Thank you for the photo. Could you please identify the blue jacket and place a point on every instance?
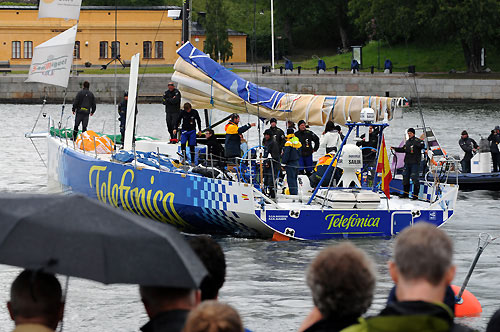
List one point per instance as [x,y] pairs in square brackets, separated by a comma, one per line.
[233,141]
[291,151]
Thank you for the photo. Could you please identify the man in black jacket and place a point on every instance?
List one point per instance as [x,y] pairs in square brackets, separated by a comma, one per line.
[172,101]
[271,166]
[83,106]
[494,139]
[310,144]
[215,150]
[469,146]
[189,118]
[413,153]
[277,133]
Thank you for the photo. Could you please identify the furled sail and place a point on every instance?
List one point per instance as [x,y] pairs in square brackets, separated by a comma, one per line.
[52,60]
[207,84]
[67,9]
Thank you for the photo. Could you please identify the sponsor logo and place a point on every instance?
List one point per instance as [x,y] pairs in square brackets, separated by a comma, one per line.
[245,197]
[340,221]
[432,215]
[49,67]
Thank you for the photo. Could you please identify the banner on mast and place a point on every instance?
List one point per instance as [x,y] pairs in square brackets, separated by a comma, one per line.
[68,9]
[52,60]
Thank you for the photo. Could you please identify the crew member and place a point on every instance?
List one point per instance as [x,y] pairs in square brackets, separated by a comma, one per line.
[172,101]
[122,112]
[271,167]
[291,156]
[413,152]
[215,150]
[83,106]
[320,169]
[469,146]
[310,144]
[494,139]
[277,133]
[233,140]
[189,118]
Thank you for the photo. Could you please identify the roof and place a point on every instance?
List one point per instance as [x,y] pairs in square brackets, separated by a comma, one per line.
[97,7]
[198,30]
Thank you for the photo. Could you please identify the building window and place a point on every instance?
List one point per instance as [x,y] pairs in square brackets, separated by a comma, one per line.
[76,52]
[28,49]
[103,50]
[146,49]
[16,49]
[159,49]
[115,49]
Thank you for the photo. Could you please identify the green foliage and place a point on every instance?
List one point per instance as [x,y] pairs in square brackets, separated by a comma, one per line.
[217,43]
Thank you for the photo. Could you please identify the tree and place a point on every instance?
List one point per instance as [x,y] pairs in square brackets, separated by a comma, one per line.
[217,43]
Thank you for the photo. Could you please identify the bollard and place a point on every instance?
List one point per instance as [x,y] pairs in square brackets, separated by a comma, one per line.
[281,70]
[317,69]
[336,68]
[390,70]
[372,68]
[387,93]
[299,68]
[263,69]
[411,69]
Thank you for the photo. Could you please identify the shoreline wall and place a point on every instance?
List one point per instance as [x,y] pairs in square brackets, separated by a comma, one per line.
[151,87]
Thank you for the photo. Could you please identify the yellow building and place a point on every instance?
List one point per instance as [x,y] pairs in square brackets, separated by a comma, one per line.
[145,30]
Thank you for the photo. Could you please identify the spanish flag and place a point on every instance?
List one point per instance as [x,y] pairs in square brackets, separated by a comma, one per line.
[384,168]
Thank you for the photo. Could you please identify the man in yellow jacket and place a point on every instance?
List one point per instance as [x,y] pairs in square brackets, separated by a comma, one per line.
[233,140]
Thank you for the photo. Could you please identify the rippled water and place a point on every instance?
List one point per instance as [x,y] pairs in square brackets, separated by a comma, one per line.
[265,280]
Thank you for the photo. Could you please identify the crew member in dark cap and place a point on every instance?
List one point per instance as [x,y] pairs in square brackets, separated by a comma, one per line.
[271,166]
[413,153]
[122,112]
[494,139]
[469,146]
[310,144]
[172,101]
[277,133]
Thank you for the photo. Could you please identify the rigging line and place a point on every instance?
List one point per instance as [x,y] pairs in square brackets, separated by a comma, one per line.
[44,164]
[115,75]
[39,113]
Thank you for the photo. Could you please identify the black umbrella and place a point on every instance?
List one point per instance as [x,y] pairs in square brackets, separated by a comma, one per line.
[80,237]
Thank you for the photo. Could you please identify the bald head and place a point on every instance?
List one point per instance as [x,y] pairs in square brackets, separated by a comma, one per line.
[36,297]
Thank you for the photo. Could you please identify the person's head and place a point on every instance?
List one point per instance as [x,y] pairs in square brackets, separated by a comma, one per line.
[209,133]
[342,281]
[36,297]
[211,255]
[423,254]
[411,132]
[267,134]
[187,107]
[290,124]
[497,129]
[125,95]
[235,118]
[338,128]
[160,299]
[302,125]
[171,86]
[370,129]
[465,134]
[86,85]
[273,122]
[289,132]
[213,316]
[330,126]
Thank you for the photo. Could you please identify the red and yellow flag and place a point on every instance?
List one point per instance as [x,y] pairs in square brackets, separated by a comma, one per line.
[384,168]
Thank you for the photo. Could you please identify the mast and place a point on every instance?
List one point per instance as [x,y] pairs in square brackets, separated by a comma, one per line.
[186,21]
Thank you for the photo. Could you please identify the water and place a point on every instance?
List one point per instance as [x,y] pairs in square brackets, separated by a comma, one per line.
[265,280]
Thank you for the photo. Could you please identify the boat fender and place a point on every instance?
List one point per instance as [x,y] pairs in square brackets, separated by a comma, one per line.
[415,213]
[294,214]
[468,305]
[289,232]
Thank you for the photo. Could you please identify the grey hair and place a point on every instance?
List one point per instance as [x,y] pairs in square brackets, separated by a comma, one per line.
[423,252]
[342,281]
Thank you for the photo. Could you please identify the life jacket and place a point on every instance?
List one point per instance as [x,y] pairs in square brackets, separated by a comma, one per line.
[293,141]
[325,161]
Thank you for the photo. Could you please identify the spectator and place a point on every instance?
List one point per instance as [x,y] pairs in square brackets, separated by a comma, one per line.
[172,101]
[342,282]
[388,66]
[36,302]
[310,144]
[213,316]
[167,308]
[354,66]
[211,255]
[290,158]
[330,139]
[494,139]
[469,146]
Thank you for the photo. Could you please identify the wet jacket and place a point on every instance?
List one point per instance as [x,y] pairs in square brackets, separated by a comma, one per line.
[233,141]
[309,141]
[171,321]
[412,150]
[494,139]
[410,316]
[291,151]
[279,136]
[172,101]
[467,145]
[84,102]
[189,120]
[272,148]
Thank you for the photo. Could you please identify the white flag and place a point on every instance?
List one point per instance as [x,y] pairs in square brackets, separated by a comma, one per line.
[52,60]
[68,9]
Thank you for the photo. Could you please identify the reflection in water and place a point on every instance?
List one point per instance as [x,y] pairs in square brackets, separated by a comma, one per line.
[266,280]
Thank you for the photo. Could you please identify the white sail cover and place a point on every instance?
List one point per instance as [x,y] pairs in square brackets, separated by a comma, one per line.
[132,100]
[206,84]
[52,59]
[68,9]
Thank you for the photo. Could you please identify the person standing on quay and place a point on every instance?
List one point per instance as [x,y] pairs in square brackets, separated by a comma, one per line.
[83,106]
[172,101]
